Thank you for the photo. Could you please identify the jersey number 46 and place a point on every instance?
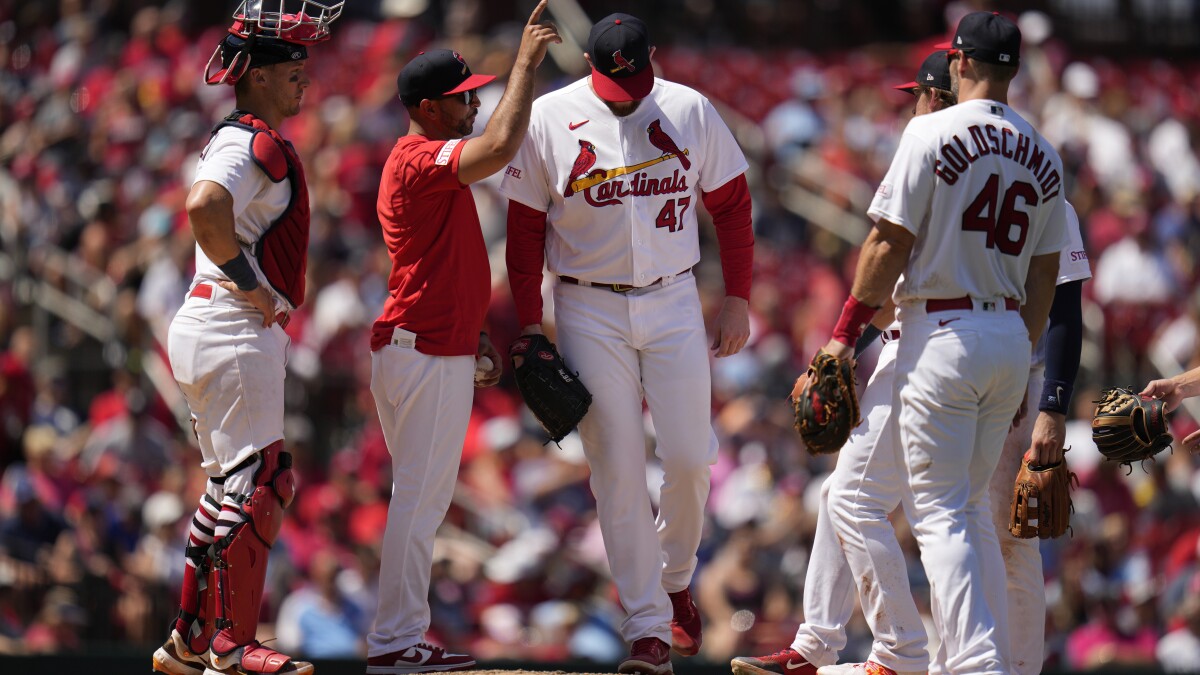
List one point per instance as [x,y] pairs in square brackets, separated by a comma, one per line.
[1006,227]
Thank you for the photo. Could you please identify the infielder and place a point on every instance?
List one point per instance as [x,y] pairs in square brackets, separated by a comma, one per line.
[866,486]
[227,346]
[972,214]
[604,191]
[425,344]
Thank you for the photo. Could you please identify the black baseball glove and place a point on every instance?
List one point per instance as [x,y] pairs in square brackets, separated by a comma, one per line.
[554,394]
[1128,427]
[827,408]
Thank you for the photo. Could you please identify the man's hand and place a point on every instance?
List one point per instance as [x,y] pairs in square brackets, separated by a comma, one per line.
[531,329]
[839,350]
[260,297]
[1049,435]
[486,348]
[1168,390]
[733,327]
[536,39]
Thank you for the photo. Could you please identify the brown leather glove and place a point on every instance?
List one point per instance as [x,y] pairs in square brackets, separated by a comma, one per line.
[1041,504]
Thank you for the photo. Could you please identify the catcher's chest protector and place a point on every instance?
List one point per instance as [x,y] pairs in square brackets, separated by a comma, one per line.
[282,250]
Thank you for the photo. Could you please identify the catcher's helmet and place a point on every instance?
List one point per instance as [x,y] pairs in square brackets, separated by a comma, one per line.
[261,38]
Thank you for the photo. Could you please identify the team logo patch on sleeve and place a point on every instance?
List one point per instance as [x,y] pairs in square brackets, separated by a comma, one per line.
[443,156]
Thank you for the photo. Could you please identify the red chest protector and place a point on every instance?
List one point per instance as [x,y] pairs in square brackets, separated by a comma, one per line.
[282,250]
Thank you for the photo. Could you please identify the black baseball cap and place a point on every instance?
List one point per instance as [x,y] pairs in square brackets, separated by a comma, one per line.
[620,49]
[436,73]
[261,50]
[989,37]
[934,72]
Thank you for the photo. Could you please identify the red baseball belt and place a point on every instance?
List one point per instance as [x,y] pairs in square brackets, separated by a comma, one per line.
[205,290]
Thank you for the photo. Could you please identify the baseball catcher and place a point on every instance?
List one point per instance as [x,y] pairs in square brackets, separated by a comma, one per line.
[556,396]
[1129,427]
[827,405]
[1041,503]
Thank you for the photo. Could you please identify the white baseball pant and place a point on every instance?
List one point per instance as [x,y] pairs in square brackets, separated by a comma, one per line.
[424,404]
[865,488]
[960,377]
[626,347]
[231,371]
[1022,557]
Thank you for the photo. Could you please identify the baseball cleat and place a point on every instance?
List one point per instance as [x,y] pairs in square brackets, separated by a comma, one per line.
[419,658]
[784,662]
[686,632]
[175,658]
[868,668]
[648,656]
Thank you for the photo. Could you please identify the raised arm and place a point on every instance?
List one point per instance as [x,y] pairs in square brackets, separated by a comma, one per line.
[484,156]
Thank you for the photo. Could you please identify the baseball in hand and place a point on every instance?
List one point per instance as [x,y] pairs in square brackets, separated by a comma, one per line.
[483,365]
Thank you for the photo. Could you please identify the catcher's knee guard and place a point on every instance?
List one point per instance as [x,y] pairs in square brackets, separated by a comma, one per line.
[240,563]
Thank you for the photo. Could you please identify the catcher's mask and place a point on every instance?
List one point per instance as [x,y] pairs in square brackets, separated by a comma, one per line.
[261,38]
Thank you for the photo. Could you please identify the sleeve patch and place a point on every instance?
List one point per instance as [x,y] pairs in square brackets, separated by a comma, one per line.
[443,156]
[884,190]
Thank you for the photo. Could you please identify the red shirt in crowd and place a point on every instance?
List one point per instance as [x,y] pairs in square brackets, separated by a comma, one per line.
[441,278]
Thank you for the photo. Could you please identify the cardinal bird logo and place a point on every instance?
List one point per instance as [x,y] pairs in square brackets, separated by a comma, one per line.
[660,140]
[585,160]
[621,62]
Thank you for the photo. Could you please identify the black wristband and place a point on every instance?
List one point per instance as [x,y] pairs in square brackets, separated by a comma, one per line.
[240,272]
[865,340]
[1056,396]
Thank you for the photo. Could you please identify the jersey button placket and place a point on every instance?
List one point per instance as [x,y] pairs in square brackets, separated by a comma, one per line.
[633,208]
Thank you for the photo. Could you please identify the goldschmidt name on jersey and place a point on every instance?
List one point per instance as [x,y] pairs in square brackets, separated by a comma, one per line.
[957,155]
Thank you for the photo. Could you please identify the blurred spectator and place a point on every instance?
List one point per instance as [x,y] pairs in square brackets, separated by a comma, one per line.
[318,619]
[101,119]
[1110,638]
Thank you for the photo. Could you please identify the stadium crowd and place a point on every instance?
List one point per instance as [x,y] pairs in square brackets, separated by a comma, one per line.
[101,119]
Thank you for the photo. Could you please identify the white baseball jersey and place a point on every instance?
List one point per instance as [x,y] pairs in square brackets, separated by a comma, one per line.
[257,201]
[975,230]
[621,192]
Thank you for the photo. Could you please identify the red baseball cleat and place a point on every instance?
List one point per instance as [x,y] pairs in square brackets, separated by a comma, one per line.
[649,656]
[686,632]
[419,658]
[784,662]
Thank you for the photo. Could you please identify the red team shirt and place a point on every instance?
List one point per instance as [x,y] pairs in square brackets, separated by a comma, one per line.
[441,279]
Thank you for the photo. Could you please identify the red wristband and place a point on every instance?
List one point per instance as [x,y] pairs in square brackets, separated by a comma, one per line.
[854,319]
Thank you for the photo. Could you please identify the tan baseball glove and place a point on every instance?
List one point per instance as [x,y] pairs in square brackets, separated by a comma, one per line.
[1041,503]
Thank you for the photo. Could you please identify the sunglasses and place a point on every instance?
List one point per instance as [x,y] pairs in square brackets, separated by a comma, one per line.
[464,96]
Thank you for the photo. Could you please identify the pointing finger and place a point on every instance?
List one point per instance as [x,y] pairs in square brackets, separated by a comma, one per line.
[537,13]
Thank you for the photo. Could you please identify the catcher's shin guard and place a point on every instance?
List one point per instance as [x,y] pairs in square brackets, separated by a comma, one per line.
[240,568]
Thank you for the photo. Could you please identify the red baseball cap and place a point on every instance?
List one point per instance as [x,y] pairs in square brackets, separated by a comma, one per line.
[620,49]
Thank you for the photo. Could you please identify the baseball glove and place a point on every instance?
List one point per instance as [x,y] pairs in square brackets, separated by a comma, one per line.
[1041,503]
[1128,427]
[827,408]
[554,394]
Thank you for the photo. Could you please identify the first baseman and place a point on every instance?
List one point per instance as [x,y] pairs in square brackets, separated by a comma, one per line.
[970,222]
[604,191]
[227,346]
